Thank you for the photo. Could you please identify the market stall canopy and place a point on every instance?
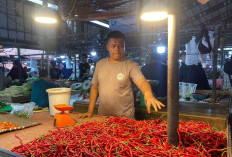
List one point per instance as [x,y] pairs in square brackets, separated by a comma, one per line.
[123,15]
[193,12]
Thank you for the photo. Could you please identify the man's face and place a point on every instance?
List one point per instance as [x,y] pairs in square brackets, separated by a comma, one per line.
[116,48]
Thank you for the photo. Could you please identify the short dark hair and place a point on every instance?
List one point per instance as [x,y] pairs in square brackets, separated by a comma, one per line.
[43,73]
[16,62]
[115,34]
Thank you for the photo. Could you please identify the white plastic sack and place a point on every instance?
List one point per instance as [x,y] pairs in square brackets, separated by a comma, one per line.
[192,52]
[23,110]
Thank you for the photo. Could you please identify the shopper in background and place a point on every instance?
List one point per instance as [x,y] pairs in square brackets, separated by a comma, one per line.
[39,87]
[193,74]
[182,67]
[157,70]
[67,70]
[84,68]
[112,82]
[17,72]
[55,73]
[228,77]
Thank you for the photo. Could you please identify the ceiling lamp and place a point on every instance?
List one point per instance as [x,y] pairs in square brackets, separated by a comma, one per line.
[45,15]
[161,49]
[154,10]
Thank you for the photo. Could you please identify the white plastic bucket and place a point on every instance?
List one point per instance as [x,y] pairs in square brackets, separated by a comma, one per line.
[58,96]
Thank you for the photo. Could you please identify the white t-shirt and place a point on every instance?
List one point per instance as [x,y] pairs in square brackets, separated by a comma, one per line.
[114,81]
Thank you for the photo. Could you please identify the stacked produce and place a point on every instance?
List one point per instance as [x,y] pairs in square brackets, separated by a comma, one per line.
[126,137]
[15,91]
[4,107]
[7,126]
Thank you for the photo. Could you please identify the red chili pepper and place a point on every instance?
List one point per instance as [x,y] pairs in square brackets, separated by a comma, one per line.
[126,137]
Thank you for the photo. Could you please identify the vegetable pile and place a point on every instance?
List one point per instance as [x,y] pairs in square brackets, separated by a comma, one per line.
[126,137]
[7,125]
[4,107]
[15,91]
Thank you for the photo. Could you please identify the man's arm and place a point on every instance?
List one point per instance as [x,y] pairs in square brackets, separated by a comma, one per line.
[92,101]
[145,88]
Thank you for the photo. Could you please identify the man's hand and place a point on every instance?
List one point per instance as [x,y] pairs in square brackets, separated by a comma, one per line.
[151,100]
[145,88]
[85,115]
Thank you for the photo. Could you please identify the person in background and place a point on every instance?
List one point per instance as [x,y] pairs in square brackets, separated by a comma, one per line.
[182,66]
[39,95]
[67,70]
[227,68]
[27,71]
[112,82]
[16,70]
[156,70]
[55,73]
[193,74]
[66,73]
[3,79]
[84,67]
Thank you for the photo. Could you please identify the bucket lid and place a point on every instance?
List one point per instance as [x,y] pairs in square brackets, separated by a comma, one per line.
[58,90]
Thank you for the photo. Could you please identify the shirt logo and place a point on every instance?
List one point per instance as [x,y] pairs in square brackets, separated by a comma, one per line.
[120,76]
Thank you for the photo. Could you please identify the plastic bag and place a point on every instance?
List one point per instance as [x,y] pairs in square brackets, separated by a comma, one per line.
[23,110]
[191,52]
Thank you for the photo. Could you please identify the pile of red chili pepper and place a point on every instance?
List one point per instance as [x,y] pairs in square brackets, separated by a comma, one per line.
[126,137]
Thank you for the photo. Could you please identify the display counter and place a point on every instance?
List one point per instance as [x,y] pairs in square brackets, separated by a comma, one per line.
[215,114]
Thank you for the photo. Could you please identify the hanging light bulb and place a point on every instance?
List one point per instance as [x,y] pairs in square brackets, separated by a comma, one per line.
[154,10]
[45,15]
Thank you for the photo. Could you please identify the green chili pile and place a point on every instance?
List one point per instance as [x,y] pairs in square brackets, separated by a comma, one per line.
[127,137]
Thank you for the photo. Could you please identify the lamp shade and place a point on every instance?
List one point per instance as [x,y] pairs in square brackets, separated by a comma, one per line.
[45,15]
[154,10]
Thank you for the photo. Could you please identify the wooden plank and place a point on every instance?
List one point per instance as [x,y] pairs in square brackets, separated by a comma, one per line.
[221,92]
[94,118]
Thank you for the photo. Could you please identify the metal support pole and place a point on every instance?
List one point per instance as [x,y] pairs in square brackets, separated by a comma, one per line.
[173,81]
[215,54]
[75,63]
[42,61]
[19,69]
[48,65]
